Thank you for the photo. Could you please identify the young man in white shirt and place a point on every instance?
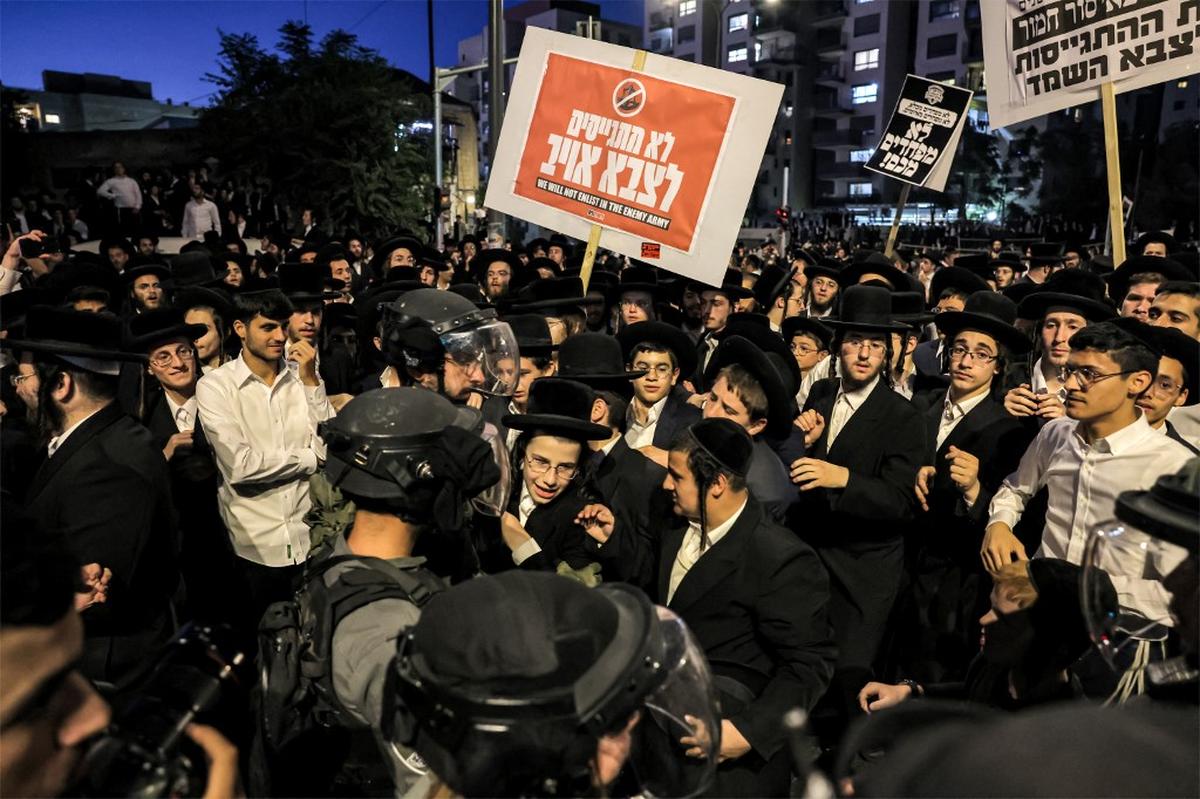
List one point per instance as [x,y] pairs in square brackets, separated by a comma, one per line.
[1103,446]
[261,418]
[200,215]
[125,195]
[658,410]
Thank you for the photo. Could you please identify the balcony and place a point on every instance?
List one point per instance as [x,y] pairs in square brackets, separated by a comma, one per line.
[830,42]
[840,169]
[828,12]
[830,73]
[660,20]
[827,104]
[777,51]
[832,139]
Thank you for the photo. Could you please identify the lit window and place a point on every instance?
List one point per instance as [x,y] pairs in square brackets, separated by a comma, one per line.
[866,59]
[739,22]
[51,119]
[758,56]
[1181,85]
[687,7]
[860,189]
[860,156]
[943,9]
[737,54]
[864,93]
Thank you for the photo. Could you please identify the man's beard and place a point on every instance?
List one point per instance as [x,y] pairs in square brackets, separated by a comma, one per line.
[821,307]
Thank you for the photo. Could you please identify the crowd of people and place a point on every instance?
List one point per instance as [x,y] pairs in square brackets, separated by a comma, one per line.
[855,478]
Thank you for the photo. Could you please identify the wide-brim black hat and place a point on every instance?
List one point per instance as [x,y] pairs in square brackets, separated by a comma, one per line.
[73,334]
[909,307]
[797,325]
[957,277]
[550,295]
[196,268]
[739,351]
[771,283]
[1012,260]
[157,326]
[866,308]
[307,282]
[532,333]
[1153,236]
[596,360]
[559,406]
[485,258]
[760,334]
[158,270]
[731,286]
[874,263]
[542,262]
[990,313]
[824,268]
[381,253]
[1118,279]
[635,278]
[663,335]
[197,296]
[1039,303]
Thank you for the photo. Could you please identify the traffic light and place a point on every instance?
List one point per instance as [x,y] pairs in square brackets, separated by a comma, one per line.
[441,199]
[783,215]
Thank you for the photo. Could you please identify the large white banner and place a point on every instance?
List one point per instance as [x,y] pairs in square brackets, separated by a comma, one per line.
[663,158]
[1045,55]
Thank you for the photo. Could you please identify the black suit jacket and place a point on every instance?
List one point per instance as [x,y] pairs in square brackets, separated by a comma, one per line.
[883,445]
[676,415]
[1176,435]
[628,483]
[757,603]
[925,358]
[107,491]
[999,440]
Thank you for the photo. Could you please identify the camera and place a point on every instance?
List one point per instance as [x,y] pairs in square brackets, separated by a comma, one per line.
[144,752]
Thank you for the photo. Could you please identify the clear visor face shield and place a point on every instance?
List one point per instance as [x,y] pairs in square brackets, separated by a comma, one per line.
[493,501]
[680,715]
[489,356]
[1137,564]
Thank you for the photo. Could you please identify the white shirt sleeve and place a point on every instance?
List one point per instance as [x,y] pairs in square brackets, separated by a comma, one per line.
[216,217]
[1019,487]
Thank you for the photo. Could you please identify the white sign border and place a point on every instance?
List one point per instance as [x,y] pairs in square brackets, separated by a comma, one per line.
[734,177]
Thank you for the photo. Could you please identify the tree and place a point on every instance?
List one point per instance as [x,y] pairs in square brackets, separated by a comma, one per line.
[975,177]
[331,127]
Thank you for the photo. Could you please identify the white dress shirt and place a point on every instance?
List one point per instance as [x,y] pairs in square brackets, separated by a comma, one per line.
[265,442]
[1083,482]
[123,191]
[844,406]
[184,415]
[510,437]
[199,218]
[690,552]
[641,434]
[525,507]
[710,346]
[820,371]
[953,413]
[1037,382]
[55,443]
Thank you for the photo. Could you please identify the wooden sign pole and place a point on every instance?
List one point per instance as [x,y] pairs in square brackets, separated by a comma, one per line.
[1112,158]
[891,239]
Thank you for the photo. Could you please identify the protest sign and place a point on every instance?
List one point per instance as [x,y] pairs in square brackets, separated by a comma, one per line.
[922,136]
[1045,55]
[648,154]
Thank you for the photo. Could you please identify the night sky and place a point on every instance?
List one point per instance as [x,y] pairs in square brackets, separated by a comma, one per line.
[173,43]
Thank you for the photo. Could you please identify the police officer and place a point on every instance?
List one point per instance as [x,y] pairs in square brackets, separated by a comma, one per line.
[530,684]
[411,462]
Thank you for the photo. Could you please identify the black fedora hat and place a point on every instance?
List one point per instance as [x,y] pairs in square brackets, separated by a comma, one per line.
[596,360]
[909,307]
[90,341]
[533,335]
[403,277]
[826,267]
[158,326]
[990,313]
[770,284]
[1155,237]
[1118,280]
[958,277]
[781,403]
[199,297]
[636,277]
[663,335]
[1012,260]
[559,407]
[549,295]
[762,336]
[1076,290]
[731,286]
[542,262]
[796,325]
[158,270]
[873,263]
[197,268]
[485,258]
[1045,253]
[866,308]
[340,314]
[978,264]
[380,255]
[306,282]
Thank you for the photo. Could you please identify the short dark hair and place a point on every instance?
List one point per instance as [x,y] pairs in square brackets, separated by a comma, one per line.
[271,304]
[703,466]
[87,294]
[617,406]
[747,388]
[540,362]
[1145,277]
[655,348]
[953,291]
[1186,287]
[1129,352]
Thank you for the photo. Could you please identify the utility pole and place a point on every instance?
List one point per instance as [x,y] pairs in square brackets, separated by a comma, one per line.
[437,129]
[496,70]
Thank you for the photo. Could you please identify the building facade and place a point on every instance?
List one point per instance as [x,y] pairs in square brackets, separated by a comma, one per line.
[71,102]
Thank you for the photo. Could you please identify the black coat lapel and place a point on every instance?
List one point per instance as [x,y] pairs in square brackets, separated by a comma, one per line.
[671,539]
[861,425]
[85,433]
[718,563]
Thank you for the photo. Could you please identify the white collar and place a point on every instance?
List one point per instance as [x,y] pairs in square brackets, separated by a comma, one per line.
[608,448]
[652,413]
[858,396]
[57,441]
[721,530]
[188,404]
[956,410]
[1117,442]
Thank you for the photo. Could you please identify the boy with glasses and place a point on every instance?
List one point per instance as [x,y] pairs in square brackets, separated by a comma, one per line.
[1103,446]
[658,410]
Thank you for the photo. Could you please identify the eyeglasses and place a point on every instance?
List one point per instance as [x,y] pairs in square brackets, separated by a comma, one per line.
[660,369]
[1086,376]
[803,349]
[957,353]
[1166,387]
[184,354]
[17,380]
[538,466]
[873,346]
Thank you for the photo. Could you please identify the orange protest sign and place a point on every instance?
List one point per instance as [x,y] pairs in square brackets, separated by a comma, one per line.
[623,149]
